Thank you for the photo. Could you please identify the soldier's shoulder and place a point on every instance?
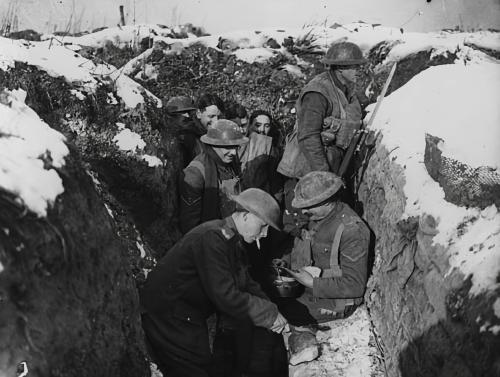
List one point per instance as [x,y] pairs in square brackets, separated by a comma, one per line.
[350,218]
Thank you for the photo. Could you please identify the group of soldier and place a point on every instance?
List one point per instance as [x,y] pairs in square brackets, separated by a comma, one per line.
[235,185]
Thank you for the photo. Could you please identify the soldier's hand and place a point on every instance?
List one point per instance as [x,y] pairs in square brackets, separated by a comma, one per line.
[302,276]
[280,323]
[279,263]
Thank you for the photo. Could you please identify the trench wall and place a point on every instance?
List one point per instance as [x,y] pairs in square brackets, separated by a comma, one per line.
[427,322]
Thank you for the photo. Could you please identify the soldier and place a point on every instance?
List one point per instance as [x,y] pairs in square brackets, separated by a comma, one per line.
[180,118]
[328,114]
[209,108]
[336,243]
[206,271]
[208,181]
[259,157]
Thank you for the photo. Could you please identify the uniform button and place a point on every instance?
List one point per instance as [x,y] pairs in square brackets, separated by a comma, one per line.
[189,318]
[325,251]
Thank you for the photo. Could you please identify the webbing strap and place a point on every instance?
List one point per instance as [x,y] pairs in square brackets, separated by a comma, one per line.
[335,270]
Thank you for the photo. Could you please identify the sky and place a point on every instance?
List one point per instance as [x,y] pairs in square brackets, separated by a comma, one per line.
[226,15]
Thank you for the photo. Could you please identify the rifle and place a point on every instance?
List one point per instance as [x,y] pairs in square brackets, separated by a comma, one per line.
[360,135]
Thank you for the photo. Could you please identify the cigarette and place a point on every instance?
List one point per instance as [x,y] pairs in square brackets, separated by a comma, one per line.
[258,243]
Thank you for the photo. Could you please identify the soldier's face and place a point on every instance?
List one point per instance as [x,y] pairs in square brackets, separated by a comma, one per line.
[253,228]
[208,116]
[349,73]
[226,154]
[319,212]
[262,124]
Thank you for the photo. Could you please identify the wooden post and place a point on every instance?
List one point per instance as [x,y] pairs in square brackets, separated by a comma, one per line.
[122,16]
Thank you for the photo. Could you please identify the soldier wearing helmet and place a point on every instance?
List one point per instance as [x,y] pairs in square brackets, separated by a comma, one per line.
[208,181]
[330,258]
[204,272]
[180,118]
[328,114]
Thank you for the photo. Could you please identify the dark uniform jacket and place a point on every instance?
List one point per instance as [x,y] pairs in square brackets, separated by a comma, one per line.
[330,295]
[205,271]
[205,188]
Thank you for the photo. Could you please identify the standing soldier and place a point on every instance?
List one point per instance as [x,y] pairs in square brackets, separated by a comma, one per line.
[328,114]
[336,245]
[207,183]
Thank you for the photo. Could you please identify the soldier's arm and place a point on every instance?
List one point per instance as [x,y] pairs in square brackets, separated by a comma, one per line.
[354,263]
[214,269]
[314,108]
[191,186]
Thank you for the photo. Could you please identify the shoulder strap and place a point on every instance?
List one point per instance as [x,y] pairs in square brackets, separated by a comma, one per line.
[334,251]
[343,114]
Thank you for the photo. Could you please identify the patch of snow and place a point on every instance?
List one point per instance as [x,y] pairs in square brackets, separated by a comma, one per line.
[253,55]
[155,372]
[78,94]
[1,267]
[120,125]
[148,72]
[111,100]
[110,212]
[496,307]
[24,142]
[141,249]
[57,59]
[152,161]
[294,70]
[120,36]
[494,329]
[128,140]
[345,349]
[444,101]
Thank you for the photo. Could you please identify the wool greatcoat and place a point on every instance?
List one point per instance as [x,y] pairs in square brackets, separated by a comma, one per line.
[205,271]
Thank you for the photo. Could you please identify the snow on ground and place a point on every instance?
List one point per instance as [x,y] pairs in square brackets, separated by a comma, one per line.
[121,36]
[25,142]
[345,349]
[58,59]
[458,103]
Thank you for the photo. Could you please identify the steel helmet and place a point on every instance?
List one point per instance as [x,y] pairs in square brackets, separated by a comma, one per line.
[224,133]
[343,53]
[316,187]
[179,104]
[261,204]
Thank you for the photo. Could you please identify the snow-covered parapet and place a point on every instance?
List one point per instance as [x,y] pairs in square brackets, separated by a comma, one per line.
[120,36]
[29,153]
[443,101]
[58,59]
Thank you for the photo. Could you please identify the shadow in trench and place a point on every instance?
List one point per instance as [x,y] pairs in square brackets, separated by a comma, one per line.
[462,345]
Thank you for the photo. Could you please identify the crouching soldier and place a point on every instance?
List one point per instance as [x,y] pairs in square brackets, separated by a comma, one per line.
[206,272]
[330,258]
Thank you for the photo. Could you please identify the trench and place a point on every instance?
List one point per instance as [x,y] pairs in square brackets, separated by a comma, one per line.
[417,320]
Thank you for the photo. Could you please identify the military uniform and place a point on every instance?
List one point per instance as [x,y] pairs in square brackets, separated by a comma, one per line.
[344,264]
[206,185]
[204,272]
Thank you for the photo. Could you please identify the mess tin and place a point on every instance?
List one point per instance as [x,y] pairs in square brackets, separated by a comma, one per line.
[286,286]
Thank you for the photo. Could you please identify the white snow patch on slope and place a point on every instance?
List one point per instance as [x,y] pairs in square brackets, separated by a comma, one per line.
[458,103]
[128,140]
[24,140]
[152,161]
[120,36]
[60,60]
[253,55]
[496,307]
